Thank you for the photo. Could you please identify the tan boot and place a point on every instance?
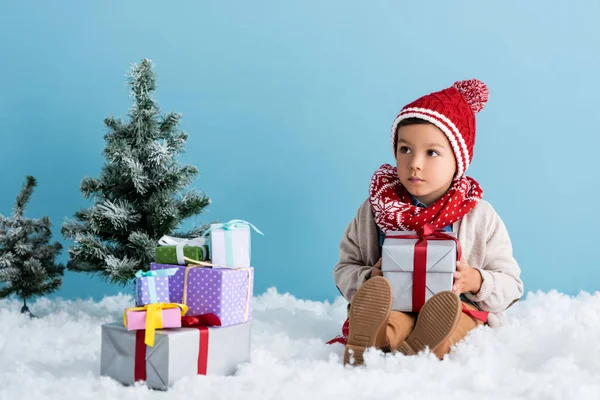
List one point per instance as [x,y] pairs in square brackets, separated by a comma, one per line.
[465,324]
[399,327]
[369,312]
[437,321]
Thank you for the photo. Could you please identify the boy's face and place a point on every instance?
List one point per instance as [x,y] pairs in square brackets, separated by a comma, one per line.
[425,162]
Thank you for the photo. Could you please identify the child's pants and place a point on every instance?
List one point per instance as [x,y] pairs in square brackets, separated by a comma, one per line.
[400,325]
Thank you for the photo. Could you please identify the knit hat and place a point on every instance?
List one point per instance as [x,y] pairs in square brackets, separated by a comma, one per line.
[452,110]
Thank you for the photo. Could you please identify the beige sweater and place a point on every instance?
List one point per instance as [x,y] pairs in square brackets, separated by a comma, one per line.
[485,245]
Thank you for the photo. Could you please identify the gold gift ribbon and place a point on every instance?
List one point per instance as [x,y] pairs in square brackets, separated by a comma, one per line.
[154,317]
[202,264]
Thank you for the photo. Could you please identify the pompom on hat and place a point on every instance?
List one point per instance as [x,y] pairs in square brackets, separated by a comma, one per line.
[453,111]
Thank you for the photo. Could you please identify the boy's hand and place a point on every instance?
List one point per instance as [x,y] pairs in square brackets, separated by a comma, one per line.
[466,278]
[376,269]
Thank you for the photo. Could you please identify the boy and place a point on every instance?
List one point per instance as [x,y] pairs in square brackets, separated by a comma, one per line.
[433,139]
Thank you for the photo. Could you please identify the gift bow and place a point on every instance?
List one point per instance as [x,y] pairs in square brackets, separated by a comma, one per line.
[179,243]
[430,232]
[154,317]
[234,223]
[174,241]
[151,282]
[191,321]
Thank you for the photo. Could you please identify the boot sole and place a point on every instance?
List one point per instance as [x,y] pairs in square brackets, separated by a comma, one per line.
[436,321]
[369,311]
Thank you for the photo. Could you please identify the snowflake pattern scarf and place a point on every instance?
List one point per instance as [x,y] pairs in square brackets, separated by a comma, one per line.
[393,209]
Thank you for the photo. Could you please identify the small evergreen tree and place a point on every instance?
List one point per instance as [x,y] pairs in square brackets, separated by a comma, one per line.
[139,195]
[27,266]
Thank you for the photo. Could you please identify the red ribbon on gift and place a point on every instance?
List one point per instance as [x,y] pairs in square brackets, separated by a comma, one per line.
[201,322]
[478,315]
[139,368]
[427,233]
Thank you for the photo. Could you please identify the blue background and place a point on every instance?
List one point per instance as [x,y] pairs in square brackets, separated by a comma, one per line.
[288,106]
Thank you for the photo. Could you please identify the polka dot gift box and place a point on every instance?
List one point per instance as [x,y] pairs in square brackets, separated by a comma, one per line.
[225,292]
[152,286]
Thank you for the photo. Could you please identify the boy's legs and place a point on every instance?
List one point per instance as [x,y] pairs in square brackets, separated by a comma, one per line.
[400,326]
[440,324]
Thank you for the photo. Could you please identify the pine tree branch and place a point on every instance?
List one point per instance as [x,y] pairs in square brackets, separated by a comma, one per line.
[24,196]
[7,259]
[90,186]
[6,290]
[70,229]
[191,204]
[116,127]
[194,232]
[119,214]
[8,274]
[45,288]
[168,124]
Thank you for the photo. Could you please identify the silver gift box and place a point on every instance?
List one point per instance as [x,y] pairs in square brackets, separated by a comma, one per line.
[397,266]
[175,353]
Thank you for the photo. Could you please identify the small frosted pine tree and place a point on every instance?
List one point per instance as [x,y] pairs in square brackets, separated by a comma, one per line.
[139,195]
[27,266]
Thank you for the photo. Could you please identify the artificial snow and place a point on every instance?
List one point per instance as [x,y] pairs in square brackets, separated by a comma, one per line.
[548,349]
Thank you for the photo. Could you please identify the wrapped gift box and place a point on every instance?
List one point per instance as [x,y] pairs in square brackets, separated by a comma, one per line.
[398,267]
[225,292]
[177,353]
[230,244]
[168,254]
[136,319]
[152,317]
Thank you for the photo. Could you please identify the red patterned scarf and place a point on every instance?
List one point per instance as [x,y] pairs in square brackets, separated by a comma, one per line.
[393,209]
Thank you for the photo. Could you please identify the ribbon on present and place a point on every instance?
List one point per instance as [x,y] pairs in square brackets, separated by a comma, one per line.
[180,243]
[423,236]
[139,361]
[477,314]
[154,318]
[228,227]
[343,338]
[150,275]
[201,322]
[200,264]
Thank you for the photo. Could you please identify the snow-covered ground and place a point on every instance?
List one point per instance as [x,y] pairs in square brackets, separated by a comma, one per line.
[549,349]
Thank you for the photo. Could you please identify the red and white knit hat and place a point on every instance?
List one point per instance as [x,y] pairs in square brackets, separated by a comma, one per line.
[453,111]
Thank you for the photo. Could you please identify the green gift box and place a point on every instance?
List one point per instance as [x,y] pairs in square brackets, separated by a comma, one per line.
[168,254]
[174,251]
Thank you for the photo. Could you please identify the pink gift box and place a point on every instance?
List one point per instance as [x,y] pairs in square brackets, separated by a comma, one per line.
[136,320]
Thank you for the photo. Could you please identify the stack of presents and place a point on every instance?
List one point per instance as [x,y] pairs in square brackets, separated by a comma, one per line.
[193,311]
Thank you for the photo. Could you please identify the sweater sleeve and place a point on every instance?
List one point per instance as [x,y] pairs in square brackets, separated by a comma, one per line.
[501,284]
[351,272]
